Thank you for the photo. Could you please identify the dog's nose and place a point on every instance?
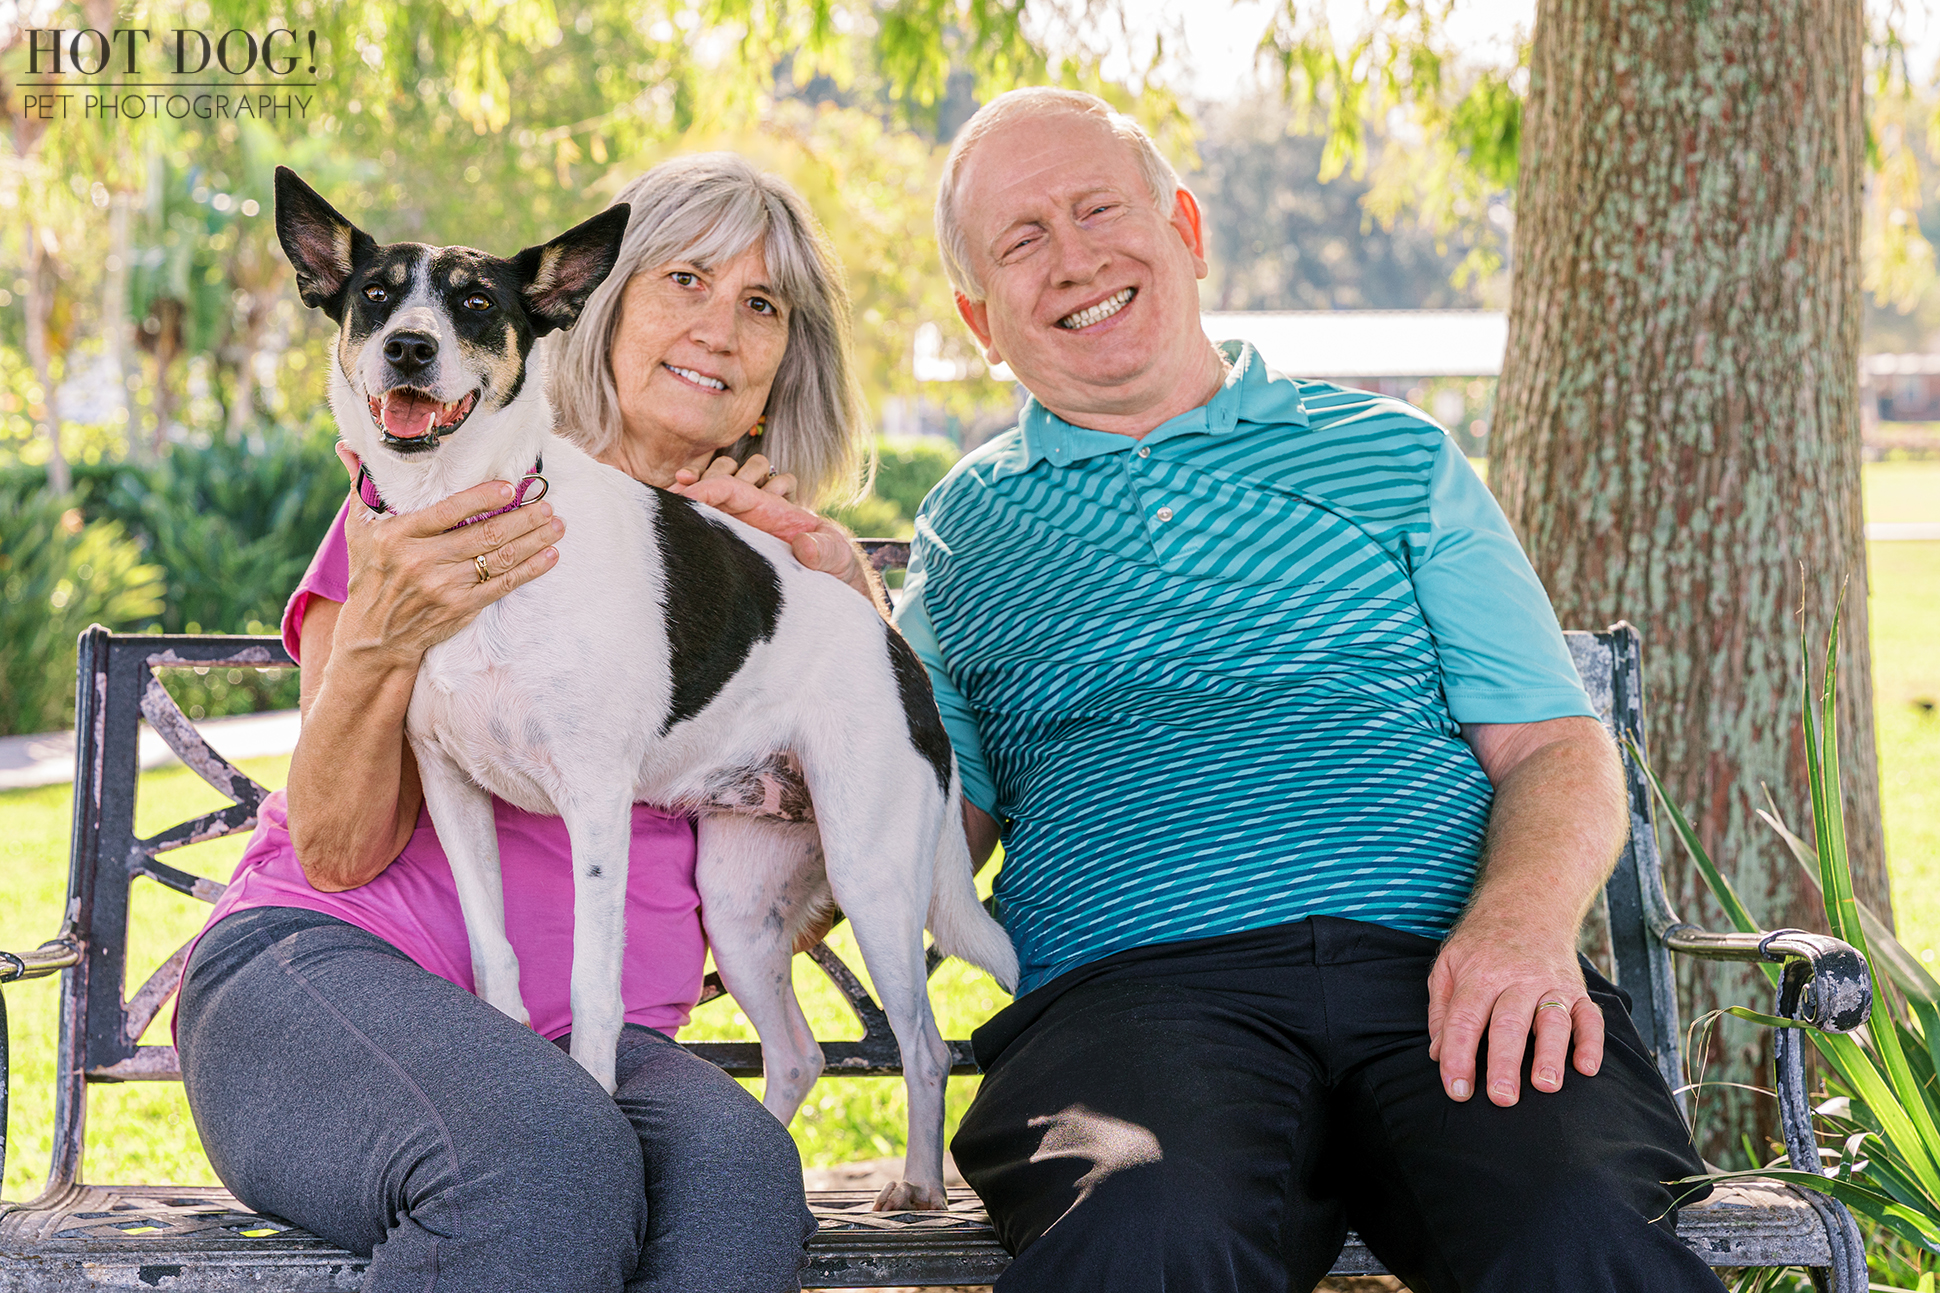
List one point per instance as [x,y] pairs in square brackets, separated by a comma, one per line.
[410,351]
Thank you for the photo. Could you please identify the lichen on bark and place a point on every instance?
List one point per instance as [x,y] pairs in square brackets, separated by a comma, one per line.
[1677,435]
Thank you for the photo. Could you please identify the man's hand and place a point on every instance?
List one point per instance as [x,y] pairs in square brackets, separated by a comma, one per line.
[1509,968]
[1503,982]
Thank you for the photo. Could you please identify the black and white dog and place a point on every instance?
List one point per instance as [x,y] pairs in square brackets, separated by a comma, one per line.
[673,656]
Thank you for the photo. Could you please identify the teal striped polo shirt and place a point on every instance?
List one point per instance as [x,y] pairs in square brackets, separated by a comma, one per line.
[1211,680]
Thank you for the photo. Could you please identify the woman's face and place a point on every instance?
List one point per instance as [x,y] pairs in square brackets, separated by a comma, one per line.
[695,353]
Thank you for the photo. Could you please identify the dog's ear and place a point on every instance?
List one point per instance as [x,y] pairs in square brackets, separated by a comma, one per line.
[323,247]
[559,276]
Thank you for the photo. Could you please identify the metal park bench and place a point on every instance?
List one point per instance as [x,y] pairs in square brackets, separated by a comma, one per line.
[78,1235]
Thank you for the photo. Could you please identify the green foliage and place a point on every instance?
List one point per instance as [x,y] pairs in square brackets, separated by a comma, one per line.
[906,471]
[235,524]
[1401,72]
[1279,241]
[221,693]
[870,517]
[1486,124]
[57,576]
[1886,1122]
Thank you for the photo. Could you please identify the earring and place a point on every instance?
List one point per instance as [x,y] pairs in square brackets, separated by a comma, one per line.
[760,425]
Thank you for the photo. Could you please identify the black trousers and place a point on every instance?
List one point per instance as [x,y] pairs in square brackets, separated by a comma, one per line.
[1214,1115]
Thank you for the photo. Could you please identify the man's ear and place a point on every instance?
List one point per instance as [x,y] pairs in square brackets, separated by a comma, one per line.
[559,276]
[324,248]
[976,317]
[1189,220]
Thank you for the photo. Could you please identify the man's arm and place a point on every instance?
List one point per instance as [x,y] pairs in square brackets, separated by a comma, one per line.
[1558,823]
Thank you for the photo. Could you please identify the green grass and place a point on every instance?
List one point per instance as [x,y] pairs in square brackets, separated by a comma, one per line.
[1902,491]
[143,1132]
[1905,614]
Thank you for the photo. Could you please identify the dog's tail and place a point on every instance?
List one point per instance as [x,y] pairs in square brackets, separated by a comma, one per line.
[958,920]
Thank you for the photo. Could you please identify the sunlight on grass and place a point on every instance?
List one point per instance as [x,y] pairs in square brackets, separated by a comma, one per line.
[1901,491]
[142,1131]
[1905,606]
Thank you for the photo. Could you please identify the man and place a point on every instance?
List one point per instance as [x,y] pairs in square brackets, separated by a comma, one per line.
[1302,802]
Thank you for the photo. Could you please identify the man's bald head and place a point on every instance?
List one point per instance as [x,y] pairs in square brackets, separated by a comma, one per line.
[1035,102]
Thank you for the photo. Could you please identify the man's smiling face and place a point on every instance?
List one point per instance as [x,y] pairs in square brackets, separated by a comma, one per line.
[1089,285]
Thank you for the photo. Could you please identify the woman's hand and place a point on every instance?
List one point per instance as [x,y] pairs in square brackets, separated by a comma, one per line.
[354,792]
[415,581]
[750,494]
[756,471]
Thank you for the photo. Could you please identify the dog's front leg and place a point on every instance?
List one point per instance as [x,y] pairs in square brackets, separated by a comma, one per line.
[462,813]
[761,882]
[601,834]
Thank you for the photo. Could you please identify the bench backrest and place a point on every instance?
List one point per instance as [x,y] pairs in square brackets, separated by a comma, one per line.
[116,686]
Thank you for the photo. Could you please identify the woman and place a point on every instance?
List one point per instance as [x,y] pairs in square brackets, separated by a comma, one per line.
[339,1069]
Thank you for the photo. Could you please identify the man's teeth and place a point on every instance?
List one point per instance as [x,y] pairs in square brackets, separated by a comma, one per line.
[699,379]
[1098,313]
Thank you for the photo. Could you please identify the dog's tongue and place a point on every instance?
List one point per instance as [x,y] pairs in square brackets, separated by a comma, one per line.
[408,414]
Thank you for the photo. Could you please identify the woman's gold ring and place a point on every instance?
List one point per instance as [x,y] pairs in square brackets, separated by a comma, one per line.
[1553,1005]
[484,571]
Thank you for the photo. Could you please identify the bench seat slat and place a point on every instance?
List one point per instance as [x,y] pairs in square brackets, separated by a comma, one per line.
[201,1240]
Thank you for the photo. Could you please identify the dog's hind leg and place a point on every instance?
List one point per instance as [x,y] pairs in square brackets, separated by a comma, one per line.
[761,883]
[601,831]
[462,813]
[879,835]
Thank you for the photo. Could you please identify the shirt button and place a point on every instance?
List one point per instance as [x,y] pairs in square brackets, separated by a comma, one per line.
[1144,451]
[1165,513]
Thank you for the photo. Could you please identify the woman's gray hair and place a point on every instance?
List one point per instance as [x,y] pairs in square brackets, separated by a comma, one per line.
[706,210]
[1037,101]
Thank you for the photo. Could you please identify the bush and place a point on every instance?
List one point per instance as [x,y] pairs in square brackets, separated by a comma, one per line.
[57,576]
[906,470]
[234,525]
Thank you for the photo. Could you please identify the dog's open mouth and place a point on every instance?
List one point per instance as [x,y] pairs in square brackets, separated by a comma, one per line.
[412,420]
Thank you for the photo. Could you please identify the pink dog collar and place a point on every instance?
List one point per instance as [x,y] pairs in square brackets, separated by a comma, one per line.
[367,492]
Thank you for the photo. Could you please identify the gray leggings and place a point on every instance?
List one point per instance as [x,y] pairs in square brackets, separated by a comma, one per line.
[338,1085]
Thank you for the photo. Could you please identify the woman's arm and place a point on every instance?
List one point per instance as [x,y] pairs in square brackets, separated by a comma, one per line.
[354,792]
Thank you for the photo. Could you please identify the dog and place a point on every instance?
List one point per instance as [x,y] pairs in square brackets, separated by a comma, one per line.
[673,656]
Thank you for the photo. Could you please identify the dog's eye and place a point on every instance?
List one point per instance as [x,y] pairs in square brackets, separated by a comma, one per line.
[478,301]
[376,295]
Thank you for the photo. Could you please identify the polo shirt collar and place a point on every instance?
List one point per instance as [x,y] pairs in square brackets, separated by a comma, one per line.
[1246,396]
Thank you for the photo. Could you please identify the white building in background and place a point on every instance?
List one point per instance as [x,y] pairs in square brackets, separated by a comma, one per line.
[1404,353]
[1350,346]
[1444,361]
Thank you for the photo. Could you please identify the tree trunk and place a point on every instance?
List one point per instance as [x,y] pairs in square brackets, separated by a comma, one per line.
[42,280]
[1678,424]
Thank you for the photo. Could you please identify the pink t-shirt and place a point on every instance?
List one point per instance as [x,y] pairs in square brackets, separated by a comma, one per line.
[413,903]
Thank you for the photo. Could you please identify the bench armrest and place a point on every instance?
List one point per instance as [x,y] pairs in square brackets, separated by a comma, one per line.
[1825,983]
[1838,985]
[55,954]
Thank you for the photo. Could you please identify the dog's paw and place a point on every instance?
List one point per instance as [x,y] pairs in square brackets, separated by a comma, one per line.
[906,1196]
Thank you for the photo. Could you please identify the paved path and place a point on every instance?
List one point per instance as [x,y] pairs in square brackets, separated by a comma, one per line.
[48,759]
[1887,531]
